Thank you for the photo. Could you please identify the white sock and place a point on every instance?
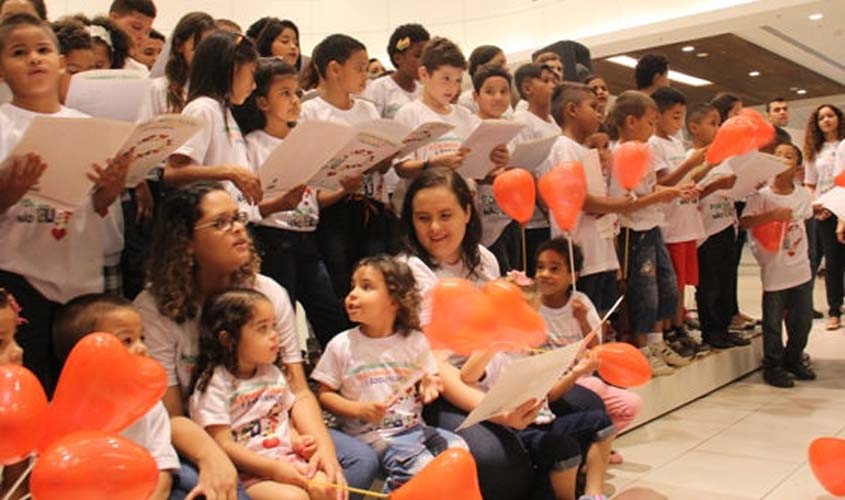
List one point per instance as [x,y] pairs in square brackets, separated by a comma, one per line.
[654,338]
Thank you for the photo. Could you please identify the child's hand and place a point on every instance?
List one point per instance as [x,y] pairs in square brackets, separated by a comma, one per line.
[690,192]
[823,214]
[588,364]
[289,200]
[19,174]
[372,412]
[451,160]
[111,180]
[782,214]
[668,194]
[430,388]
[500,156]
[305,445]
[579,310]
[247,182]
[523,415]
[351,183]
[290,473]
[699,156]
[144,203]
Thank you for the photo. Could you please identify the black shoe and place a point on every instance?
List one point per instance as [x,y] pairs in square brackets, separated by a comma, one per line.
[735,339]
[718,341]
[778,377]
[801,371]
[817,314]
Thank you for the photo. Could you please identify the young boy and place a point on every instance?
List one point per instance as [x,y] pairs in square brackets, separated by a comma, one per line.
[787,281]
[135,18]
[105,313]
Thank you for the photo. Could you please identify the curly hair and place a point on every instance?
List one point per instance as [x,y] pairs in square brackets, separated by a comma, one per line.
[171,270]
[192,26]
[72,35]
[402,287]
[814,138]
[229,312]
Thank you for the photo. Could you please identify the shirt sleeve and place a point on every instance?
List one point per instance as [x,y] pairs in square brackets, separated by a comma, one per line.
[159,336]
[811,175]
[211,407]
[329,369]
[285,319]
[159,444]
[197,146]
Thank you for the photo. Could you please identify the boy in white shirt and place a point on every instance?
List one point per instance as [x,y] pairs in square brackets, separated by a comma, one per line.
[135,18]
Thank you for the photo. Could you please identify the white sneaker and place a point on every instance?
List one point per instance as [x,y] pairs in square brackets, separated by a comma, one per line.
[670,357]
[659,368]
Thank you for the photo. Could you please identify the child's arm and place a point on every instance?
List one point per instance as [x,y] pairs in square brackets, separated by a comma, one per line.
[109,181]
[348,184]
[588,364]
[580,311]
[372,412]
[476,365]
[17,176]
[601,205]
[674,177]
[283,202]
[409,169]
[163,486]
[217,476]
[180,169]
[782,214]
[722,182]
[661,194]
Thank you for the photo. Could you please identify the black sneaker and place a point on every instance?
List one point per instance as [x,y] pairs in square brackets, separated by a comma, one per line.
[718,341]
[737,340]
[778,377]
[817,314]
[801,372]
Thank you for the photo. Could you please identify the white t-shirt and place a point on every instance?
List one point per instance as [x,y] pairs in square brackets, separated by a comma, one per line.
[790,265]
[360,112]
[561,324]
[155,102]
[306,215]
[840,158]
[256,409]
[683,218]
[59,252]
[219,142]
[717,211]
[132,64]
[820,172]
[176,345]
[534,128]
[645,218]
[152,431]
[366,369]
[387,96]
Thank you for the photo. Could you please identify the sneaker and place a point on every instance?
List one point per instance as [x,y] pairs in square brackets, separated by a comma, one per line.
[658,367]
[817,314]
[668,356]
[681,344]
[719,341]
[801,372]
[702,350]
[833,323]
[778,377]
[692,323]
[737,340]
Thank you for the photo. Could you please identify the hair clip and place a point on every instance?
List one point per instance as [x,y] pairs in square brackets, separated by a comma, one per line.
[403,44]
[97,31]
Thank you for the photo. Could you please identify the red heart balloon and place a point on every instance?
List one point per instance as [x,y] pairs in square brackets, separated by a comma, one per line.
[631,161]
[452,474]
[827,460]
[622,364]
[564,189]
[735,137]
[462,317]
[23,406]
[516,194]
[93,464]
[770,234]
[764,131]
[102,387]
[518,324]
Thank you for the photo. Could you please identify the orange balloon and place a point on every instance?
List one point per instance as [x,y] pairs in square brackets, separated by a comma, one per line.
[770,234]
[452,474]
[516,194]
[564,189]
[622,364]
[631,161]
[462,317]
[102,387]
[764,131]
[93,464]
[23,405]
[735,137]
[839,180]
[827,460]
[518,324]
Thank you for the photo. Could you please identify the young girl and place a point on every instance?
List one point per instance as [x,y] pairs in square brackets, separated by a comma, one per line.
[243,400]
[110,43]
[10,353]
[391,92]
[280,38]
[287,238]
[377,376]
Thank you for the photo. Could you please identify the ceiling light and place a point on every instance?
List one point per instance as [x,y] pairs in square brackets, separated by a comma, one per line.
[800,91]
[688,48]
[816,17]
[702,54]
[677,76]
[754,73]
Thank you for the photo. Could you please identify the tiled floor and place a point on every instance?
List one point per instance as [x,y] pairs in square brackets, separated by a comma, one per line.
[746,441]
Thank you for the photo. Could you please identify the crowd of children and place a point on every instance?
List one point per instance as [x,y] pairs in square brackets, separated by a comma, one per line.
[196,268]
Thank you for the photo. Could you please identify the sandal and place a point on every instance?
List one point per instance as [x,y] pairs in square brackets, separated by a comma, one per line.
[833,323]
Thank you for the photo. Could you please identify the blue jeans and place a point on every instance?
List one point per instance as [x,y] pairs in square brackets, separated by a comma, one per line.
[601,288]
[409,452]
[652,286]
[793,306]
[360,463]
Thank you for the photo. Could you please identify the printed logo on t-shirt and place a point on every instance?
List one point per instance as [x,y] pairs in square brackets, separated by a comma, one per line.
[40,213]
[264,427]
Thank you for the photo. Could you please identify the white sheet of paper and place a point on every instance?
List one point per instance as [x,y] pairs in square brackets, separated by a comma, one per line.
[69,147]
[752,169]
[423,135]
[296,160]
[366,149]
[108,93]
[529,155]
[833,200]
[488,135]
[155,140]
[528,378]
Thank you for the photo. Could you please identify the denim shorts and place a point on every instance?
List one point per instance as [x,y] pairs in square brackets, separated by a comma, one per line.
[652,291]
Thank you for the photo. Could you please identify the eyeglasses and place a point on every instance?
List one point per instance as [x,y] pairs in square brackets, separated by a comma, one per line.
[225,223]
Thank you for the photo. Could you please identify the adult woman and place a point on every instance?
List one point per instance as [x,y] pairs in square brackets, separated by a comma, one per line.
[200,247]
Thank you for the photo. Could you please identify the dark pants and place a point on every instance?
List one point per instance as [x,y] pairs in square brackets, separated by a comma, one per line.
[508,248]
[716,279]
[533,239]
[834,258]
[135,247]
[793,306]
[35,336]
[741,237]
[293,260]
[601,288]
[814,246]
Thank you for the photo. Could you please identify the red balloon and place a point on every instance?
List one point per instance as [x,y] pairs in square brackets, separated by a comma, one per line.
[102,387]
[452,474]
[462,317]
[631,161]
[764,131]
[93,464]
[827,460]
[516,194]
[518,325]
[622,364]
[770,234]
[23,405]
[735,137]
[564,189]
[839,180]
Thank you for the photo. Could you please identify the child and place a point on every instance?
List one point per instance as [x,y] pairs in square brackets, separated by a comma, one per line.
[569,317]
[105,313]
[148,55]
[649,275]
[76,47]
[10,354]
[599,87]
[135,18]
[110,44]
[287,237]
[243,401]
[683,225]
[481,55]
[35,8]
[787,281]
[367,374]
[551,60]
[362,225]
[69,257]
[280,38]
